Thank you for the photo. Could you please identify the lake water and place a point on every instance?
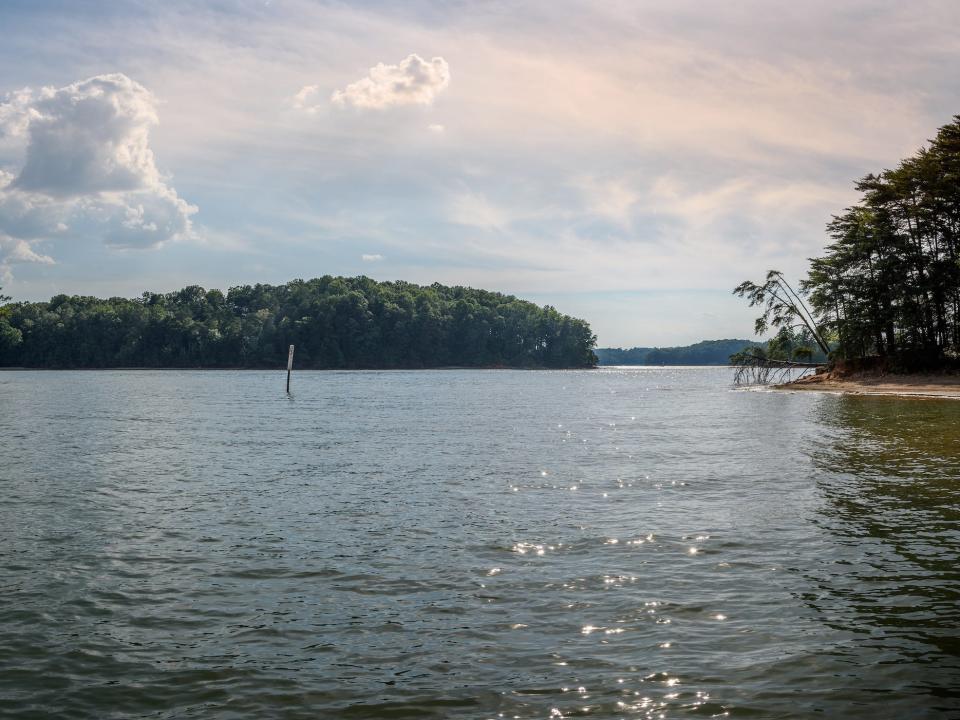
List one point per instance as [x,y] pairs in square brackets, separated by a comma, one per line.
[617,543]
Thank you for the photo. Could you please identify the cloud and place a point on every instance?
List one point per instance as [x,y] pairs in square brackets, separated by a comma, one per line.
[659,145]
[612,199]
[85,164]
[376,257]
[476,210]
[414,81]
[15,113]
[89,137]
[16,251]
[302,100]
[144,219]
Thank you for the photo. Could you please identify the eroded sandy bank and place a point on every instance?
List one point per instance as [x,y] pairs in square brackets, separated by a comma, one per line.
[934,385]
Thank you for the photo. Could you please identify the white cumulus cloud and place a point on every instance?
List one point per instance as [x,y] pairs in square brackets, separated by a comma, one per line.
[14,250]
[414,81]
[82,161]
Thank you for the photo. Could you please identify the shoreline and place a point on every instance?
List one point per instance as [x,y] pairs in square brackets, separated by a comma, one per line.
[281,369]
[934,385]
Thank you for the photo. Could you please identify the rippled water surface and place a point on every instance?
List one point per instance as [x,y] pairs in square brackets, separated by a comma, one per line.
[616,543]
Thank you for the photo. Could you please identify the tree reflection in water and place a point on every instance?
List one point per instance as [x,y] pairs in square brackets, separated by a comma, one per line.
[888,470]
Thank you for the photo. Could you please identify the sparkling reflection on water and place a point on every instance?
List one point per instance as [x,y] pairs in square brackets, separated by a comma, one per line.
[480,544]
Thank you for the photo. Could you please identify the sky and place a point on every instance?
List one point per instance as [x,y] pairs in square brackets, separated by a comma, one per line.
[626,162]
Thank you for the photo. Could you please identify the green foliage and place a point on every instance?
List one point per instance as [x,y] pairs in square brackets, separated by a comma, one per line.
[783,309]
[335,322]
[707,352]
[795,346]
[10,337]
[889,283]
[621,356]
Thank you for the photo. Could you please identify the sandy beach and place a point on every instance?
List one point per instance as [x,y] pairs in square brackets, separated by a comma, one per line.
[934,385]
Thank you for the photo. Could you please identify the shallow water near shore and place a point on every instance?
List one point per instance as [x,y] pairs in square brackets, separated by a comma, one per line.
[615,543]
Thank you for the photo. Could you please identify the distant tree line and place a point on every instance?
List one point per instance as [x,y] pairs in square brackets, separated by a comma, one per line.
[707,352]
[888,285]
[335,322]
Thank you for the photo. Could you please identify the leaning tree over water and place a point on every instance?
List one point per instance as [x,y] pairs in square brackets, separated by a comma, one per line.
[888,284]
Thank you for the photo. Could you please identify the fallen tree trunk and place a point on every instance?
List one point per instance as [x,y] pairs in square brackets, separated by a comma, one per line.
[759,370]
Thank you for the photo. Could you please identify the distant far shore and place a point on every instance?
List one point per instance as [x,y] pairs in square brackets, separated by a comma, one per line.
[932,385]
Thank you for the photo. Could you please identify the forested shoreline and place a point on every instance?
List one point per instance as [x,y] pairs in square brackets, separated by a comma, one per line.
[886,291]
[705,352]
[335,323]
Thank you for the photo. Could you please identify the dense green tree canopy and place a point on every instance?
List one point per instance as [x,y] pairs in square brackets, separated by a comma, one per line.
[889,283]
[334,322]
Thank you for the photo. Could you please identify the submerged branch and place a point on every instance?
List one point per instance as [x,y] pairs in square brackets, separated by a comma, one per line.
[756,369]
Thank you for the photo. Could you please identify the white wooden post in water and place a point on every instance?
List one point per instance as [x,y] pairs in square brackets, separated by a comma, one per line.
[289,367]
